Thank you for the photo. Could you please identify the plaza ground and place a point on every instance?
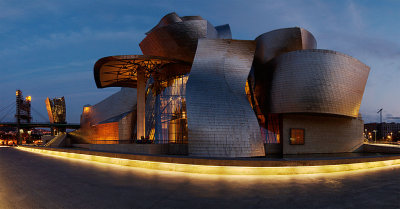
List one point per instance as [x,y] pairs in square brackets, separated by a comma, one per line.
[29,180]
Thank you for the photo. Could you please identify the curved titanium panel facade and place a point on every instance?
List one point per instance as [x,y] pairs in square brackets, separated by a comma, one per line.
[221,121]
[318,81]
[276,42]
[177,40]
[114,105]
[168,19]
[224,31]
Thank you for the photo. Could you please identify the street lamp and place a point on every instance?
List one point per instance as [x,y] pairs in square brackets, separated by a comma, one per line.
[29,136]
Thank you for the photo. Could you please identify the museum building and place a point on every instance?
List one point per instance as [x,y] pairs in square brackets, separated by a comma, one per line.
[215,96]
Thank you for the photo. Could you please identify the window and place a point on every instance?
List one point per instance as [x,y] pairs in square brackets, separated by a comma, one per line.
[296,136]
[166,120]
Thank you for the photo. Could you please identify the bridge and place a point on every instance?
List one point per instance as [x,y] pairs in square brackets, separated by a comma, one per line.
[40,125]
[22,119]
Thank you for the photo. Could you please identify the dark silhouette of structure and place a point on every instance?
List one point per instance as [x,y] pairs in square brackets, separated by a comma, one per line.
[23,112]
[57,114]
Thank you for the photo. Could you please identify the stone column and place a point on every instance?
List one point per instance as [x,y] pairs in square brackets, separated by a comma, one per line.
[141,104]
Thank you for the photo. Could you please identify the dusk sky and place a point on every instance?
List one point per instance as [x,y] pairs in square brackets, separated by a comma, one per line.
[48,48]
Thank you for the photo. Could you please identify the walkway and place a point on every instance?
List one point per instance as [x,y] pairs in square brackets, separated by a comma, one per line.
[30,180]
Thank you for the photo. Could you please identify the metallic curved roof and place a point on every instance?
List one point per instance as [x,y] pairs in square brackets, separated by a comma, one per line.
[224,31]
[276,42]
[175,37]
[270,45]
[167,20]
[121,71]
[318,81]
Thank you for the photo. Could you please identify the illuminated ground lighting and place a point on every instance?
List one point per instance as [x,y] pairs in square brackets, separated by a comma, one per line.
[219,170]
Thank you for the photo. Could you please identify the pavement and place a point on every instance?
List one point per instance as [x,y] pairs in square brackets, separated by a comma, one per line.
[387,145]
[30,180]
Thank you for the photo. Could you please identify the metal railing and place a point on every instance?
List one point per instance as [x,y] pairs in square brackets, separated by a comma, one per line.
[135,141]
[111,141]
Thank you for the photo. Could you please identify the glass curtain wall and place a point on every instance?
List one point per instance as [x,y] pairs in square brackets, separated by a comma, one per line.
[166,118]
[269,124]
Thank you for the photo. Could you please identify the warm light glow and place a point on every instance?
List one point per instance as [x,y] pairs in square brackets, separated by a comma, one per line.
[219,170]
[106,133]
[86,109]
[28,98]
[17,93]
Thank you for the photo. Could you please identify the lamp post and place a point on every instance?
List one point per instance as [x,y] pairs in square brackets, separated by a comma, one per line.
[366,134]
[29,136]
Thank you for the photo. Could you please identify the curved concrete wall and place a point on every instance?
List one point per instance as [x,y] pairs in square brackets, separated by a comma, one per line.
[277,42]
[318,81]
[221,121]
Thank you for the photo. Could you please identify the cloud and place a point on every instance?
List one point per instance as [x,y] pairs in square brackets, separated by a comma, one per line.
[368,46]
[47,72]
[13,10]
[355,13]
[55,40]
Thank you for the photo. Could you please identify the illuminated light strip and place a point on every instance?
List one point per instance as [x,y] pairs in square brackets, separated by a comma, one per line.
[219,170]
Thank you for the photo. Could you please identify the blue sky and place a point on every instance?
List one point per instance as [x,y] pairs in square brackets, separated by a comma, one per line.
[48,48]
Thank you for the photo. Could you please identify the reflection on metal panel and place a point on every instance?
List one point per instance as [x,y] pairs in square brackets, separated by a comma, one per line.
[167,20]
[177,38]
[276,42]
[221,122]
[121,102]
[270,45]
[224,31]
[318,81]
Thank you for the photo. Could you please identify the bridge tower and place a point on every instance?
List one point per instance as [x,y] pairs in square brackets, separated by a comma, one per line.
[23,111]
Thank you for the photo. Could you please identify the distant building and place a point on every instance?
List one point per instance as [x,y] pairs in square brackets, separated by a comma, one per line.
[196,86]
[384,131]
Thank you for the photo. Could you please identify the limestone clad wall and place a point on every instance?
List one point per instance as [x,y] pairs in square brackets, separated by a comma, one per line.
[323,134]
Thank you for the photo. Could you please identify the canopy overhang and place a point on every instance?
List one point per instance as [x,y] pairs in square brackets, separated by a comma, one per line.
[122,70]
